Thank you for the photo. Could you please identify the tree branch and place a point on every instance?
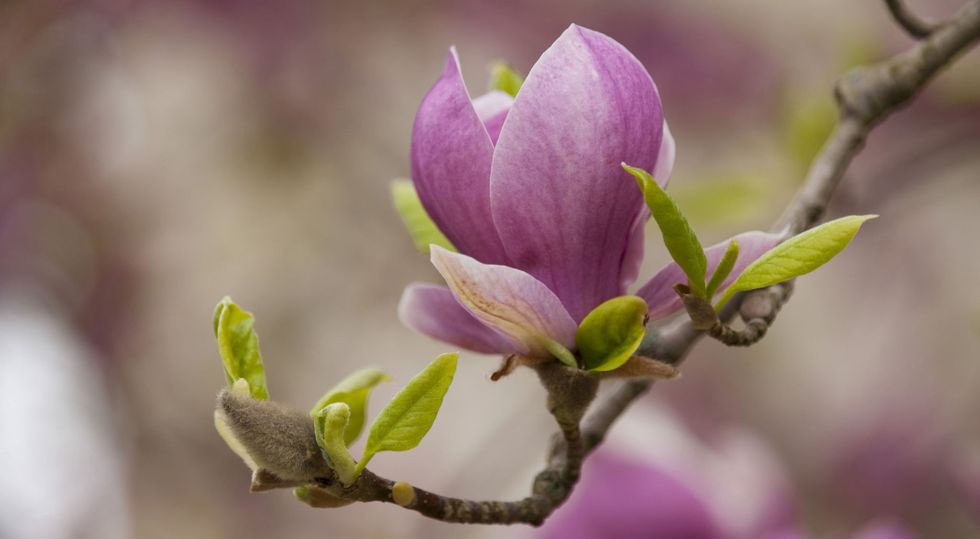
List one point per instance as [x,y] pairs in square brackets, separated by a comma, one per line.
[912,24]
[280,444]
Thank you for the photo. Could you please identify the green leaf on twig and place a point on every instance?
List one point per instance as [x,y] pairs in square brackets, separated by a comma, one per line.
[352,391]
[420,226]
[678,236]
[238,345]
[329,426]
[610,334]
[410,414]
[796,256]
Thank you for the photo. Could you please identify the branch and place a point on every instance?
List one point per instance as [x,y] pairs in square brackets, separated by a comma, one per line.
[912,24]
[865,97]
[570,391]
[758,311]
[281,446]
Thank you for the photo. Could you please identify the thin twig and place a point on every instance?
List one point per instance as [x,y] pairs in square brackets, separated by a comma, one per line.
[549,490]
[912,24]
[758,311]
[570,391]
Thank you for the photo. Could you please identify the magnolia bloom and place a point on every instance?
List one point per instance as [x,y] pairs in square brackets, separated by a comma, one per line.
[531,192]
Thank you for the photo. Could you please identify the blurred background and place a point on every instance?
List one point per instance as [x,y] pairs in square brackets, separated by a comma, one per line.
[156,156]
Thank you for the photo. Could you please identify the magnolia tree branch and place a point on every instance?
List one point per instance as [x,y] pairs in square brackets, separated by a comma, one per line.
[912,24]
[570,391]
[865,96]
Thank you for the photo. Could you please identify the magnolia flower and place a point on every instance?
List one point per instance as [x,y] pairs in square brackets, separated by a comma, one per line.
[531,192]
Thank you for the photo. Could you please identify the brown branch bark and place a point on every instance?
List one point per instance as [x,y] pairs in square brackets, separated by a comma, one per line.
[909,21]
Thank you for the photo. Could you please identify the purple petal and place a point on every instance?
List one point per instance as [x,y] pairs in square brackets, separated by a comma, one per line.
[508,300]
[659,291]
[563,206]
[451,155]
[492,109]
[432,310]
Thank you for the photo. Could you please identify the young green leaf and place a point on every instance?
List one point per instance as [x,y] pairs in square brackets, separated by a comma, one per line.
[420,226]
[561,353]
[797,256]
[608,336]
[410,414]
[505,79]
[724,268]
[238,345]
[329,426]
[680,240]
[352,391]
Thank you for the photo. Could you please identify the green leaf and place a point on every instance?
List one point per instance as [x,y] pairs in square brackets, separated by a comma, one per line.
[420,226]
[410,414]
[680,240]
[238,345]
[610,334]
[724,268]
[329,426]
[352,391]
[561,353]
[505,79]
[797,256]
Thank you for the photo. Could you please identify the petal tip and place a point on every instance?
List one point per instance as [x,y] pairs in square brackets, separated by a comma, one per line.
[404,302]
[437,252]
[575,31]
[452,60]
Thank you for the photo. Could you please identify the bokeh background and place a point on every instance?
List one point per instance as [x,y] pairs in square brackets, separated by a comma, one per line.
[156,156]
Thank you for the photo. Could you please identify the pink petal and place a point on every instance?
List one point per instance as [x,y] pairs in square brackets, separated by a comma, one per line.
[451,155]
[508,300]
[432,310]
[563,206]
